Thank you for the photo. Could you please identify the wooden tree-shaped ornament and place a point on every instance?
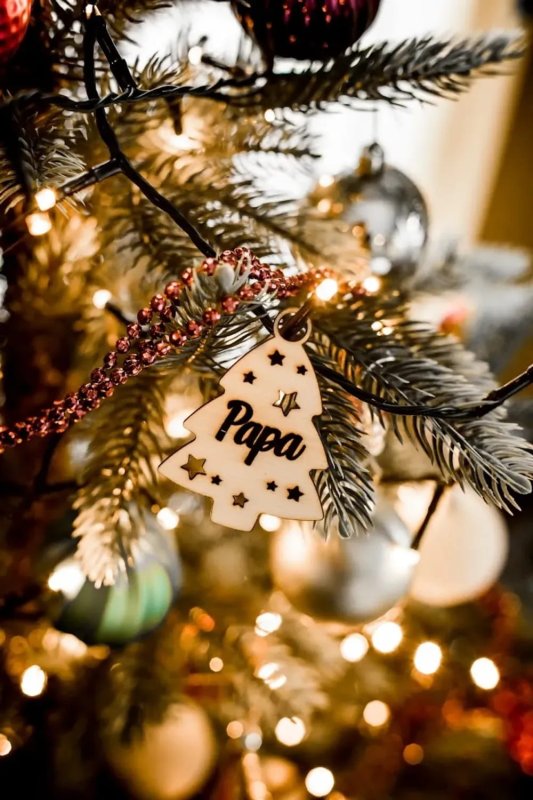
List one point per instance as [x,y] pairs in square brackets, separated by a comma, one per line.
[256,443]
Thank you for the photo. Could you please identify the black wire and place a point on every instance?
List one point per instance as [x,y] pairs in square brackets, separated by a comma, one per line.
[95,30]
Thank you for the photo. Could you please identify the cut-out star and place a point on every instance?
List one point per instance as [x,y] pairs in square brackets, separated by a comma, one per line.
[216,479]
[240,500]
[302,370]
[294,494]
[194,466]
[249,377]
[272,486]
[276,358]
[287,402]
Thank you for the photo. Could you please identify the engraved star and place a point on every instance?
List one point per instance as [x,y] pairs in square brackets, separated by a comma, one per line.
[216,479]
[287,402]
[302,370]
[294,494]
[240,500]
[272,486]
[249,377]
[276,358]
[194,466]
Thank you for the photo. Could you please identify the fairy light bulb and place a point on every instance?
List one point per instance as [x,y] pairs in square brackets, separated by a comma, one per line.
[33,681]
[428,658]
[290,731]
[38,223]
[101,298]
[376,714]
[485,674]
[5,745]
[354,647]
[235,729]
[387,637]
[327,289]
[270,115]
[267,622]
[45,199]
[319,781]
[216,664]
[195,55]
[372,284]
[168,519]
[67,578]
[175,425]
[325,181]
[269,523]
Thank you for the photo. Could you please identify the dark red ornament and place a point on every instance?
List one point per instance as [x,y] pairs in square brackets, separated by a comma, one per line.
[14,19]
[305,29]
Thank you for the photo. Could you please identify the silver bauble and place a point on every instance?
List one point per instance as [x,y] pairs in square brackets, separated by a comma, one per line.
[345,580]
[384,209]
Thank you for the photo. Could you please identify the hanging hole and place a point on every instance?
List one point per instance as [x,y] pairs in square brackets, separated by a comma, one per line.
[283,327]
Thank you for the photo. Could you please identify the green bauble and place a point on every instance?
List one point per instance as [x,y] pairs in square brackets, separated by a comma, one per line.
[134,605]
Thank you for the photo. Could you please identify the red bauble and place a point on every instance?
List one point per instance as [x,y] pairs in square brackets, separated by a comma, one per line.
[14,19]
[305,29]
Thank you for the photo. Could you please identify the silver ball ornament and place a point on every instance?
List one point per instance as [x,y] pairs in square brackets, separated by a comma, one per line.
[384,209]
[345,580]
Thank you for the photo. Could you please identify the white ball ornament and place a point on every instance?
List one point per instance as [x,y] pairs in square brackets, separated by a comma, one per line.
[463,552]
[171,760]
[345,580]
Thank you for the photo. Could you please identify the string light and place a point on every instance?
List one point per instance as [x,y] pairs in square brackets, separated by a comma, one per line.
[45,199]
[271,675]
[428,658]
[290,731]
[101,298]
[372,284]
[195,55]
[67,578]
[235,729]
[485,674]
[326,181]
[33,681]
[354,647]
[175,424]
[5,745]
[38,223]
[216,664]
[168,519]
[270,523]
[253,741]
[387,637]
[413,754]
[327,289]
[376,714]
[270,115]
[319,781]
[267,622]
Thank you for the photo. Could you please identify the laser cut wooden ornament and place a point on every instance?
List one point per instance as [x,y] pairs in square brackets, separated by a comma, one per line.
[256,444]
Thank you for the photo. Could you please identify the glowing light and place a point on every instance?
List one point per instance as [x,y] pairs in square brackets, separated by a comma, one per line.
[5,745]
[101,298]
[428,658]
[268,622]
[216,664]
[270,115]
[195,55]
[387,637]
[326,181]
[485,674]
[327,289]
[376,714]
[253,741]
[269,523]
[33,681]
[168,519]
[38,223]
[354,648]
[324,205]
[319,781]
[175,425]
[377,326]
[290,731]
[372,284]
[235,729]
[45,199]
[67,578]
[271,675]
[413,754]
[380,265]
